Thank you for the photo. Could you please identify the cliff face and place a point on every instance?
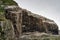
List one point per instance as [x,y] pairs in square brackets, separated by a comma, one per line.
[29,22]
[18,21]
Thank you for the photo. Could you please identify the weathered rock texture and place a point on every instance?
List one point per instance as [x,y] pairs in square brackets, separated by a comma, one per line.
[25,21]
[18,21]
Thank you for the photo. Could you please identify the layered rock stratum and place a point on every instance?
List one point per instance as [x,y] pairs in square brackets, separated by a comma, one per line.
[16,22]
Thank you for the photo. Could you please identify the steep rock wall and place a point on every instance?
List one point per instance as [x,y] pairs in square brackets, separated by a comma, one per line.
[16,21]
[30,22]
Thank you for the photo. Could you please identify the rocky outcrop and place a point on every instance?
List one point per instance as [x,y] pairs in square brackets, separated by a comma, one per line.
[17,21]
[26,21]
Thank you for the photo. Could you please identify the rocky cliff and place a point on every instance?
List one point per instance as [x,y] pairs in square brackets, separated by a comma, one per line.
[17,21]
[29,21]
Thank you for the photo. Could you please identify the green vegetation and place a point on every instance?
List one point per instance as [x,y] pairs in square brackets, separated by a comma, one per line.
[8,2]
[52,38]
[4,3]
[1,9]
[43,38]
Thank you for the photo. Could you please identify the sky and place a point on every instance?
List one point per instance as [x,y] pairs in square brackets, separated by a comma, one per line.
[47,8]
